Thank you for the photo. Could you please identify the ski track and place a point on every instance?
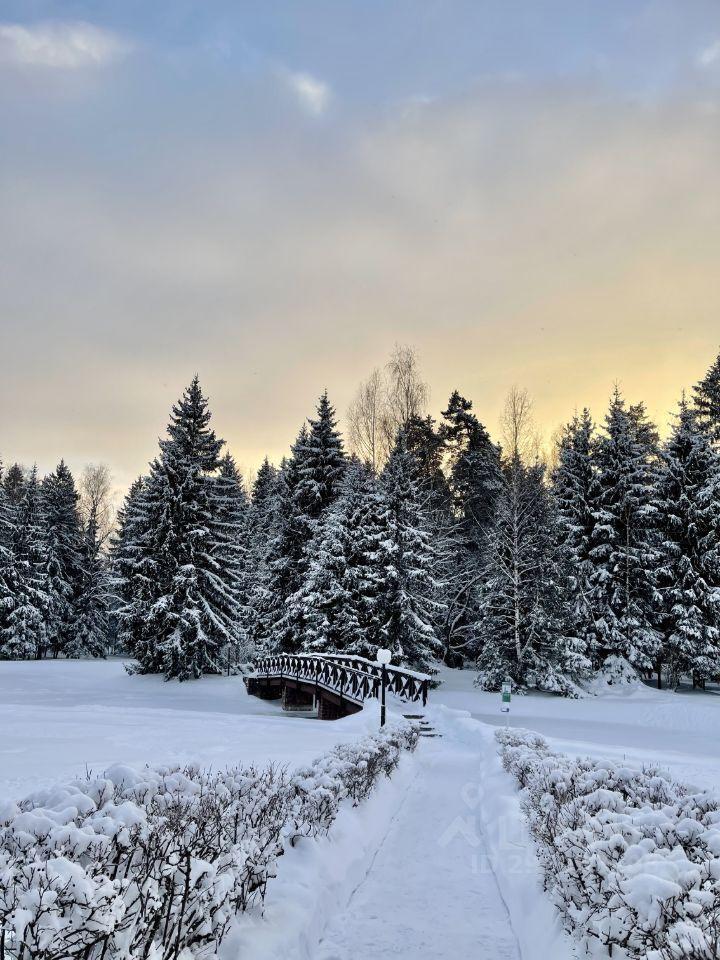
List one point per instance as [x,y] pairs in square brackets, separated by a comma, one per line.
[429,890]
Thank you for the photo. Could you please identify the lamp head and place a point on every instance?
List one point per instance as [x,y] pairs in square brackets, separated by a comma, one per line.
[383,656]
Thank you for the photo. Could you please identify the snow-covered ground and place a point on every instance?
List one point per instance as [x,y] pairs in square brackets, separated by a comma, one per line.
[677,731]
[59,717]
[437,862]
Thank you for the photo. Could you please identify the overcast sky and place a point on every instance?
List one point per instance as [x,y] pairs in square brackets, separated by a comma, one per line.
[274,193]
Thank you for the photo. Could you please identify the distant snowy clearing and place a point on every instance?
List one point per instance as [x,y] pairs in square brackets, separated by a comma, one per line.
[677,731]
[58,717]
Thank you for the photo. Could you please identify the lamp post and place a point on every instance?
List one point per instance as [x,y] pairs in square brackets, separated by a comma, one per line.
[383,658]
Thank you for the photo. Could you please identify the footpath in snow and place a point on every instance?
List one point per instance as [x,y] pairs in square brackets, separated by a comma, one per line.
[437,863]
[429,890]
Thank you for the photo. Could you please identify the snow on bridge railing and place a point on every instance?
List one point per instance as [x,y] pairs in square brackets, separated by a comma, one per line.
[355,678]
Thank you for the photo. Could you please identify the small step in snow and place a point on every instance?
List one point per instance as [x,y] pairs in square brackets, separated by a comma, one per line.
[426,730]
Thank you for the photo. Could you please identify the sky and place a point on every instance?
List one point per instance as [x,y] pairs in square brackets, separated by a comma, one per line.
[273,194]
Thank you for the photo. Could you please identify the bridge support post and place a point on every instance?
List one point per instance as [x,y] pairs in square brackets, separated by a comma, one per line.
[295,698]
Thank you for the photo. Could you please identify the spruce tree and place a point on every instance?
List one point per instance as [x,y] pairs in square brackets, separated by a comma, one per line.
[186,605]
[707,402]
[576,490]
[624,542]
[13,483]
[262,528]
[688,493]
[65,555]
[6,540]
[341,597]
[92,623]
[27,604]
[525,626]
[133,569]
[309,483]
[475,482]
[411,598]
[230,508]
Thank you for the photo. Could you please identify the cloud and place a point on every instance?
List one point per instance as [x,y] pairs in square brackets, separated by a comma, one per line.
[61,46]
[557,238]
[710,55]
[312,94]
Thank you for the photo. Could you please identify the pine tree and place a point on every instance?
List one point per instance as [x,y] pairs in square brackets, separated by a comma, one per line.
[411,596]
[475,469]
[624,548]
[707,402]
[65,556]
[576,490]
[427,446]
[184,605]
[525,627]
[688,493]
[23,623]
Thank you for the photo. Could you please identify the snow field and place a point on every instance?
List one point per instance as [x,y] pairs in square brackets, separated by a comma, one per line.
[59,718]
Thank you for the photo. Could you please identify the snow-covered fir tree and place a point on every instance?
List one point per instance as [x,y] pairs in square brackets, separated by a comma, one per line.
[688,495]
[27,601]
[92,607]
[65,556]
[525,628]
[707,402]
[230,508]
[187,606]
[13,483]
[624,543]
[262,528]
[475,481]
[411,598]
[576,490]
[131,567]
[342,597]
[475,469]
[325,603]
[308,484]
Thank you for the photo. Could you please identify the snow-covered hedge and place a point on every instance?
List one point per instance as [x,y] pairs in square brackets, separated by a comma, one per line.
[155,863]
[630,857]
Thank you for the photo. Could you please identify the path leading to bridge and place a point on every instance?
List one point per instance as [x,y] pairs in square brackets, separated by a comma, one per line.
[429,890]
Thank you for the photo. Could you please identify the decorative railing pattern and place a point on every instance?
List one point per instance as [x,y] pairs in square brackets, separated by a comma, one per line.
[351,678]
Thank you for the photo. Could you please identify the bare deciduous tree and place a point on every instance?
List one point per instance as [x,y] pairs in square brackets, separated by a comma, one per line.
[365,418]
[521,439]
[408,394]
[384,403]
[97,501]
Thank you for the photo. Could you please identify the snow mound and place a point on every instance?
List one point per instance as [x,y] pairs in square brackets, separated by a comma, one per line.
[616,676]
[138,860]
[630,856]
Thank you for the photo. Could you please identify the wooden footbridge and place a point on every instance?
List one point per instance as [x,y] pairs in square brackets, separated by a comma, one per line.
[334,683]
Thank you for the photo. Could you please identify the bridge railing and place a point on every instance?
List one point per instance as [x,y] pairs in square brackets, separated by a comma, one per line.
[353,678]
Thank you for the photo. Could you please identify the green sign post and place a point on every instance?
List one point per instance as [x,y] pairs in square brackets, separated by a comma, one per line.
[506,690]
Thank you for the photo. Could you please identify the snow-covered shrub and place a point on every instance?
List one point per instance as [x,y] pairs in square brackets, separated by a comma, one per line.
[157,862]
[630,857]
